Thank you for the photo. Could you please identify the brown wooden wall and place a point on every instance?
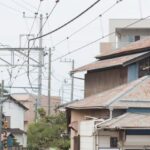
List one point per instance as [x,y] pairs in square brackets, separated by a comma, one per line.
[99,81]
[78,115]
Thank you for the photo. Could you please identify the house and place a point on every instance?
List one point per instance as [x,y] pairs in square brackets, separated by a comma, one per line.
[14,113]
[29,101]
[114,105]
[124,65]
[128,131]
[121,65]
[111,70]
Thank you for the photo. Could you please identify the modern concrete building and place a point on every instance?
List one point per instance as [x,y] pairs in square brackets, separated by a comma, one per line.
[125,34]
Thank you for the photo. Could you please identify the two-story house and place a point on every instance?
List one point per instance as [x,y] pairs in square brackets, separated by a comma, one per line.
[14,112]
[104,79]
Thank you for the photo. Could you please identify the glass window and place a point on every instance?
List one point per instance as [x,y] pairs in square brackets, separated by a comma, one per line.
[136,38]
[113,142]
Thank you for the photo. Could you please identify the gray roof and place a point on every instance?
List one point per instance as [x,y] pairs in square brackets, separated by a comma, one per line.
[134,94]
[128,121]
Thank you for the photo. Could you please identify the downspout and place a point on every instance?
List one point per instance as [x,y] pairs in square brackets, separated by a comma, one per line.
[96,129]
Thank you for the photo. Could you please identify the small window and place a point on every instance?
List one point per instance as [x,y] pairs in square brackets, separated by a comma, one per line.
[8,120]
[130,38]
[136,38]
[113,142]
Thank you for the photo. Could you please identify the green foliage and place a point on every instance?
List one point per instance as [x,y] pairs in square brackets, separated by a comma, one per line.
[48,132]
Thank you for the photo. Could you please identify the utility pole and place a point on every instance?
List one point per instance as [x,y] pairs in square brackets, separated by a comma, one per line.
[40,64]
[71,75]
[24,35]
[49,83]
[72,82]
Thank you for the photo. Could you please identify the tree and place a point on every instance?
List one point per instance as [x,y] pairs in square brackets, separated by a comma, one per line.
[49,131]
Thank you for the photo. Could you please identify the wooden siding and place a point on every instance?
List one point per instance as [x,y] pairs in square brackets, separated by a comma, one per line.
[78,115]
[96,82]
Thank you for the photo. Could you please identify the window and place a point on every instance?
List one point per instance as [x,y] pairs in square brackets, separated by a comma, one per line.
[136,38]
[113,142]
[130,38]
[144,67]
[8,120]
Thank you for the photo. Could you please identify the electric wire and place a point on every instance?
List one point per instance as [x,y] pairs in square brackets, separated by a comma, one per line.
[28,4]
[11,8]
[107,35]
[45,21]
[34,21]
[39,33]
[20,5]
[67,23]
[86,25]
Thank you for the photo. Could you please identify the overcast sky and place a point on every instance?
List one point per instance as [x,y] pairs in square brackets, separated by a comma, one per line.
[12,24]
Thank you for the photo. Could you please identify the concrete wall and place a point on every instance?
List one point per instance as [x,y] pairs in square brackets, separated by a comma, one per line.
[86,135]
[121,23]
[96,82]
[126,36]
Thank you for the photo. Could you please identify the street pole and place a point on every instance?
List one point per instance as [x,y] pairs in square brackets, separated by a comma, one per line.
[72,77]
[72,82]
[40,64]
[49,83]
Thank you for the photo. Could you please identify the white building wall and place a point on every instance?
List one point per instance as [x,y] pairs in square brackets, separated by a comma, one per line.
[141,140]
[22,139]
[126,36]
[16,113]
[121,23]
[86,135]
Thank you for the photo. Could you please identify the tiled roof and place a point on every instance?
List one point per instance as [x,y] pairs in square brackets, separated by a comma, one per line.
[133,94]
[134,47]
[109,63]
[135,120]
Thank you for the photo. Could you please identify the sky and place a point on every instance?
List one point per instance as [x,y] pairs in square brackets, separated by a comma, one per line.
[13,24]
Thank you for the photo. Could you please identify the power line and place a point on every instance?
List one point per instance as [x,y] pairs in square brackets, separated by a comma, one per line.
[90,22]
[9,7]
[45,21]
[65,24]
[34,20]
[32,6]
[17,75]
[20,5]
[50,14]
[107,35]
